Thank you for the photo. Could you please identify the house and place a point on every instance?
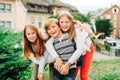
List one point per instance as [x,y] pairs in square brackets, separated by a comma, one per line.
[113,13]
[14,14]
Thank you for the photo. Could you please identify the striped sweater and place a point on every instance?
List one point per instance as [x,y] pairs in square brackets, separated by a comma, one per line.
[64,48]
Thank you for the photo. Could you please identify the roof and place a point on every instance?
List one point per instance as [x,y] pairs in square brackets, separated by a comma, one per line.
[109,9]
[46,3]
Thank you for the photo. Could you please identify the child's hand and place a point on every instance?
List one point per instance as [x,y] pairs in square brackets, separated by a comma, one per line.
[87,28]
[88,50]
[58,63]
[65,68]
[40,76]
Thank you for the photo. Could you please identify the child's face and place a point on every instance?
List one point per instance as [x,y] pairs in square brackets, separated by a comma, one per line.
[54,30]
[31,35]
[65,23]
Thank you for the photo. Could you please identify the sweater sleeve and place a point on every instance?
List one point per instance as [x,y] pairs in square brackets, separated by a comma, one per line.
[42,62]
[33,59]
[80,38]
[50,48]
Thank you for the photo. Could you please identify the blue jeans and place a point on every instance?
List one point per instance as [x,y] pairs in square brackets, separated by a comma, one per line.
[58,76]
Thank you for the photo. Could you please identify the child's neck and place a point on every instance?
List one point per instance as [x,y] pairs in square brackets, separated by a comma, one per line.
[59,35]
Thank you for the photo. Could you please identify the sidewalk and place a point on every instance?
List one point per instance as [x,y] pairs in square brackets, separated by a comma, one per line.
[100,56]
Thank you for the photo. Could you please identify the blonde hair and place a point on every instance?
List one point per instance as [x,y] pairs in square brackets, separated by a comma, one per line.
[39,43]
[48,23]
[71,31]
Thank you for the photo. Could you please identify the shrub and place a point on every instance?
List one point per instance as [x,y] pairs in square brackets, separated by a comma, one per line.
[11,60]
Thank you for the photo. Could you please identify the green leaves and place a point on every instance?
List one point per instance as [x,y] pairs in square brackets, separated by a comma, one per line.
[11,60]
[104,25]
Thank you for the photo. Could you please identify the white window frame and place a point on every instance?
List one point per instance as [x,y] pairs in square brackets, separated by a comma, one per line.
[115,24]
[2,24]
[2,7]
[107,16]
[115,17]
[8,24]
[5,7]
[5,24]
[113,10]
[32,20]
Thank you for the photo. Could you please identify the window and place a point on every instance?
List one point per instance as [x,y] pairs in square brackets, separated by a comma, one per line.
[5,7]
[2,7]
[8,7]
[2,24]
[115,10]
[114,24]
[115,17]
[32,20]
[107,16]
[8,24]
[39,23]
[5,24]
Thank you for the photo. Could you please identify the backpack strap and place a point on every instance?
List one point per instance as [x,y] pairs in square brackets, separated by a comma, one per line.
[74,44]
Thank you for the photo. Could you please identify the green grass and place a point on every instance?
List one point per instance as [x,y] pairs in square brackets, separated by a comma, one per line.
[100,70]
[105,70]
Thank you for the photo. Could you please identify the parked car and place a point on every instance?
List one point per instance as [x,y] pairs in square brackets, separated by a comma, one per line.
[110,41]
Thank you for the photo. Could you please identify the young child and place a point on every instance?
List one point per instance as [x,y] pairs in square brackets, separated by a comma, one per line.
[87,56]
[65,50]
[34,48]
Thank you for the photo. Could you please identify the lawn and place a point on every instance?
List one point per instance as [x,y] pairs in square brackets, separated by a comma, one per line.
[100,70]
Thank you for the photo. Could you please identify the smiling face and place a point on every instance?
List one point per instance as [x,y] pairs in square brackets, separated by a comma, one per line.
[64,23]
[54,30]
[31,35]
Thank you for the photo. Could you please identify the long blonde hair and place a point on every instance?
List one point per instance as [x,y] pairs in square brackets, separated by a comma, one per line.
[71,31]
[39,42]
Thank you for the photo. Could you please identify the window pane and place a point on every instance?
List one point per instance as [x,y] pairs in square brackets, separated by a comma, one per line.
[8,7]
[8,24]
[32,20]
[2,7]
[39,23]
[115,10]
[114,24]
[115,17]
[2,24]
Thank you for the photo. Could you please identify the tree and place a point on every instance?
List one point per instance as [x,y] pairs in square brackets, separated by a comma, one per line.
[80,17]
[53,16]
[104,25]
[76,16]
[12,63]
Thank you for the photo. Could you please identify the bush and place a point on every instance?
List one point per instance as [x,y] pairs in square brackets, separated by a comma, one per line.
[12,62]
[107,46]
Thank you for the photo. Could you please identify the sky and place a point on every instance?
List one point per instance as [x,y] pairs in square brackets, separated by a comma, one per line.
[87,5]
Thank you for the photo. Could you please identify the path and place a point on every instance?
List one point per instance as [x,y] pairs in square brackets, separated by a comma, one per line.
[100,56]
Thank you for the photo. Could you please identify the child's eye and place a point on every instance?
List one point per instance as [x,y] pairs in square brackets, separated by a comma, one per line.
[28,33]
[53,26]
[33,33]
